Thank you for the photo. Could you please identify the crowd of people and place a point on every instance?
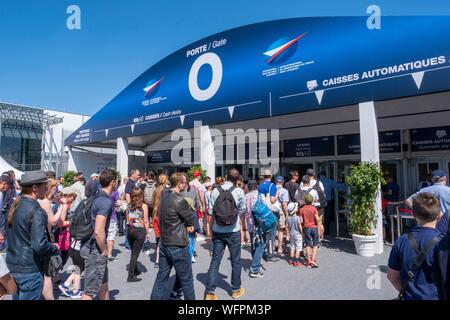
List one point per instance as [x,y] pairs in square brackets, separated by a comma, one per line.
[43,224]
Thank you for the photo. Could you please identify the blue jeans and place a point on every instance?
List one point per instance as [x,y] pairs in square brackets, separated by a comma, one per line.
[233,242]
[257,254]
[192,243]
[29,285]
[177,257]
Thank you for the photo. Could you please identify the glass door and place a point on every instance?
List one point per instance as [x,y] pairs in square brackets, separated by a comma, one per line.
[423,170]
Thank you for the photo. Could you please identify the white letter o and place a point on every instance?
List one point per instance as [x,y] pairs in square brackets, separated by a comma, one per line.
[214,61]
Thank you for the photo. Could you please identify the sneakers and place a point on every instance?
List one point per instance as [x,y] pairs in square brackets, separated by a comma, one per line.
[112,258]
[77,294]
[193,259]
[258,274]
[133,279]
[200,238]
[238,294]
[211,296]
[314,264]
[308,265]
[291,262]
[296,264]
[65,290]
[176,295]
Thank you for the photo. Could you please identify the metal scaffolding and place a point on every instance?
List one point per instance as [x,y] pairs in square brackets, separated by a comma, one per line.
[29,118]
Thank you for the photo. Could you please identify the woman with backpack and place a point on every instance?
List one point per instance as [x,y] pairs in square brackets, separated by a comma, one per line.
[138,230]
[163,179]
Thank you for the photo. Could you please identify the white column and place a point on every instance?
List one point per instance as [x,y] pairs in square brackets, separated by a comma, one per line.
[71,166]
[207,154]
[370,152]
[122,156]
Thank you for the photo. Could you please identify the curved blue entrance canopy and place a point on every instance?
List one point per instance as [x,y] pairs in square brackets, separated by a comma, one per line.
[279,67]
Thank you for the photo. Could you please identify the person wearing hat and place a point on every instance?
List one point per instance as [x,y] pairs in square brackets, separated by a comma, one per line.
[442,192]
[28,237]
[295,231]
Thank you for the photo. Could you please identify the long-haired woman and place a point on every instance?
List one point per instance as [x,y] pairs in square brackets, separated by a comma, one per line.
[54,213]
[163,179]
[138,230]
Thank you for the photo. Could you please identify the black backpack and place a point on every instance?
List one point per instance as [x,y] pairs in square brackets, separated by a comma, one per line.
[300,196]
[322,197]
[225,210]
[81,221]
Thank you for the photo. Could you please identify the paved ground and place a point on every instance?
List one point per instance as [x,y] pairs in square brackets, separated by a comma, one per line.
[341,275]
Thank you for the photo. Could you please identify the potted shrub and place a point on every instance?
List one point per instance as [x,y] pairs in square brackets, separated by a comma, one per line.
[364,182]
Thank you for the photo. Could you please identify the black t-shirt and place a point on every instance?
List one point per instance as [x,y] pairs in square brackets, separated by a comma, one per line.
[131,184]
[291,187]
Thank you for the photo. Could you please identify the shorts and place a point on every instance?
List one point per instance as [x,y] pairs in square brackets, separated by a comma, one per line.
[95,268]
[311,237]
[112,231]
[296,243]
[77,261]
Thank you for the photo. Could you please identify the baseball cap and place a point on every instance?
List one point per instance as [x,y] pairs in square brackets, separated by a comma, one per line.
[267,172]
[280,179]
[292,207]
[310,172]
[437,175]
[94,175]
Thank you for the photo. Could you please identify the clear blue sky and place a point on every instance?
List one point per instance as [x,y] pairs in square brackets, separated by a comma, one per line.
[43,64]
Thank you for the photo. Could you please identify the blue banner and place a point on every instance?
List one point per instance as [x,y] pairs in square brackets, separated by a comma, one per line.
[310,147]
[430,139]
[279,67]
[389,142]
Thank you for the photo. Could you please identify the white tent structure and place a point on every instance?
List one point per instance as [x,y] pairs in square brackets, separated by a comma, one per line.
[5,166]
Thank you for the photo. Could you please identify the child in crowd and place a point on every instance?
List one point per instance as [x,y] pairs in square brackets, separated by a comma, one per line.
[403,260]
[294,230]
[310,220]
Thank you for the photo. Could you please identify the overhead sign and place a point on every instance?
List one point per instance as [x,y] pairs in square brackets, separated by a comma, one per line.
[310,147]
[430,139]
[279,67]
[163,156]
[389,142]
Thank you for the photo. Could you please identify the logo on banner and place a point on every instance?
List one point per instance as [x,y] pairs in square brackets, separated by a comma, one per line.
[150,91]
[282,49]
[312,85]
[441,134]
[152,87]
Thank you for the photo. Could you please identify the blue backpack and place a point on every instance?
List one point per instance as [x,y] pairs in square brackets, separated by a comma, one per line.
[264,217]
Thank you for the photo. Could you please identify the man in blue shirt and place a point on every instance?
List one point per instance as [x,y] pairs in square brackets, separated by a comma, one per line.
[268,189]
[226,236]
[328,185]
[442,192]
[426,210]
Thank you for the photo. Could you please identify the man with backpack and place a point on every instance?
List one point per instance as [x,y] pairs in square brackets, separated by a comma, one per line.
[268,190]
[321,203]
[410,266]
[228,203]
[292,186]
[94,248]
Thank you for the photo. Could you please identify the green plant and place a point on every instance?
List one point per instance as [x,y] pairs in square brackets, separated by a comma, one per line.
[68,178]
[192,170]
[364,182]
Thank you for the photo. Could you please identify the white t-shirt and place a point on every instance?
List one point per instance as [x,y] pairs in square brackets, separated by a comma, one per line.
[312,183]
[3,267]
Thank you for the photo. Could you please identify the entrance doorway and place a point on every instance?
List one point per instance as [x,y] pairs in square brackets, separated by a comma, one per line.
[301,168]
[424,169]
